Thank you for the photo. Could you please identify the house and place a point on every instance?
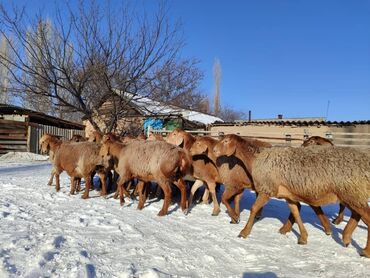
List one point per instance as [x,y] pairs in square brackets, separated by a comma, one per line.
[140,111]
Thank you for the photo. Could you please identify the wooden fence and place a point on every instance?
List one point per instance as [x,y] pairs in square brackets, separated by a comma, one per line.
[345,139]
[25,136]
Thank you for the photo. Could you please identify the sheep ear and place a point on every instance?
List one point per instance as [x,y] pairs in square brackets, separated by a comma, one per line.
[180,143]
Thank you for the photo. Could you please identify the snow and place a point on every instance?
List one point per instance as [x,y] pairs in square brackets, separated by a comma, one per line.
[149,107]
[13,159]
[50,234]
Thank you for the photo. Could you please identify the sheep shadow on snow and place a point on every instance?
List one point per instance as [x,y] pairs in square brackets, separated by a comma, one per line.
[278,209]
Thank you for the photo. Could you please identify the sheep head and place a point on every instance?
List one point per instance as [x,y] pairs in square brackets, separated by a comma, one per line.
[177,137]
[46,141]
[199,147]
[225,147]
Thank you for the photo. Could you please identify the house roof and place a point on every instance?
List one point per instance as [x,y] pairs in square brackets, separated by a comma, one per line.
[149,107]
[286,122]
[38,117]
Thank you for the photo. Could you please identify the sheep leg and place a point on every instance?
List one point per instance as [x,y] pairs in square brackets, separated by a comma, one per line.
[228,194]
[87,186]
[259,213]
[180,184]
[194,188]
[122,190]
[205,198]
[103,180]
[295,211]
[340,216]
[141,188]
[158,192]
[57,182]
[350,227]
[50,183]
[216,206]
[323,219]
[237,199]
[78,184]
[73,186]
[165,185]
[288,225]
[261,200]
[365,216]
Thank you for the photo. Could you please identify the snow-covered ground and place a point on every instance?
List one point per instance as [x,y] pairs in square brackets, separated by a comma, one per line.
[49,234]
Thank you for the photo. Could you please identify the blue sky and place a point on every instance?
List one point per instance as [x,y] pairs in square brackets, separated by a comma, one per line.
[284,57]
[280,57]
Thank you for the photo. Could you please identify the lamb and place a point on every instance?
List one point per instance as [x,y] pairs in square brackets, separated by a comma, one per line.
[149,161]
[77,159]
[203,169]
[317,175]
[75,138]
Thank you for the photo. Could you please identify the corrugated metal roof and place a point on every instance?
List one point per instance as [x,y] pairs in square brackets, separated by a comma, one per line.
[38,117]
[293,123]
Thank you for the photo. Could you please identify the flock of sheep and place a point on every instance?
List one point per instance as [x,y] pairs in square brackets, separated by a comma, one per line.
[314,174]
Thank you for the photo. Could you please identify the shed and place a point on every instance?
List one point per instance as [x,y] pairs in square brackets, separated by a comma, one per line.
[21,129]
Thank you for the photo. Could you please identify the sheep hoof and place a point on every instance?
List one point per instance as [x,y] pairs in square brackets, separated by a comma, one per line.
[205,202]
[140,207]
[242,235]
[50,184]
[84,196]
[284,230]
[328,232]
[103,194]
[185,211]
[161,213]
[71,193]
[302,241]
[216,212]
[233,221]
[365,253]
[258,217]
[337,221]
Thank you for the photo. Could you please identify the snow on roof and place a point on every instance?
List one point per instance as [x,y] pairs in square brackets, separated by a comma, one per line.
[149,107]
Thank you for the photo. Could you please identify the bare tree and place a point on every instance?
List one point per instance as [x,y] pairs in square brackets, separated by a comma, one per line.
[217,79]
[88,55]
[5,96]
[177,84]
[229,114]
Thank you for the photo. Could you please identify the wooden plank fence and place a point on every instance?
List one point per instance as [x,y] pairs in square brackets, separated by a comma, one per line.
[345,139]
[25,136]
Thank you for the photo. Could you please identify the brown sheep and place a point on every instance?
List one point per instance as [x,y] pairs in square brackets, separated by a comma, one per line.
[317,175]
[96,136]
[203,169]
[316,140]
[232,173]
[231,176]
[77,138]
[149,161]
[77,159]
[155,137]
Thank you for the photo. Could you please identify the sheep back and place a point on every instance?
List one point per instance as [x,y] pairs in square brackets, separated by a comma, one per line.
[313,172]
[150,160]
